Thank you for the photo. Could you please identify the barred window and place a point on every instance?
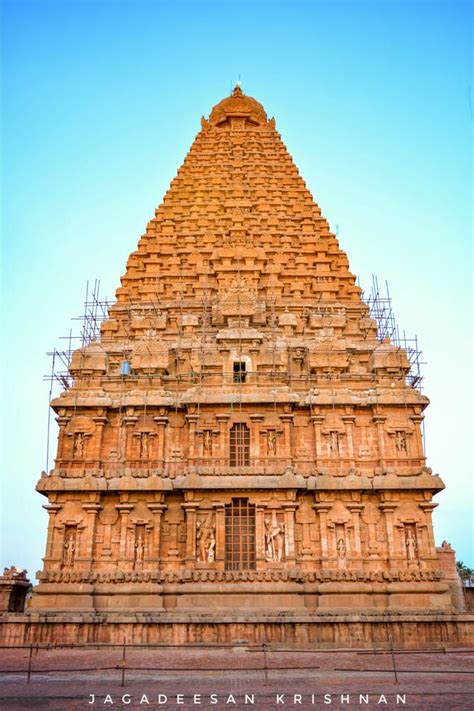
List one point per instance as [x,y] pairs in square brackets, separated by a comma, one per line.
[240,372]
[240,535]
[239,445]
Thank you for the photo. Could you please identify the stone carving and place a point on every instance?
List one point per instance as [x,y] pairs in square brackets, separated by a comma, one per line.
[69,553]
[274,539]
[207,442]
[78,445]
[144,452]
[139,549]
[206,539]
[271,443]
[341,553]
[411,544]
[401,441]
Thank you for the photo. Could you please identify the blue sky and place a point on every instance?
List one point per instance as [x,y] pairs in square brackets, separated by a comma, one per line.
[101,101]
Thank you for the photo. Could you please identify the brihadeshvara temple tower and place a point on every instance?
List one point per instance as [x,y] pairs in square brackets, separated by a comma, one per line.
[240,455]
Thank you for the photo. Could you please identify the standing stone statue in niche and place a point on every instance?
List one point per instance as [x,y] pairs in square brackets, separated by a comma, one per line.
[341,553]
[70,549]
[206,539]
[144,446]
[272,442]
[207,442]
[139,549]
[274,539]
[78,445]
[401,441]
[411,545]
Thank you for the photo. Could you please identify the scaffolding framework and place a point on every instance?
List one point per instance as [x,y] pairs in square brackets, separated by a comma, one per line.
[96,310]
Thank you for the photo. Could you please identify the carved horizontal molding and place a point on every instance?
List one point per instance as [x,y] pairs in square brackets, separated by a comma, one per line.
[187,575]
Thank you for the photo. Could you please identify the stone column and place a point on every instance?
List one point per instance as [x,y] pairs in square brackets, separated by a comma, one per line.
[157,510]
[428,508]
[388,509]
[290,509]
[379,422]
[190,514]
[62,423]
[355,510]
[322,509]
[100,421]
[260,535]
[255,453]
[89,534]
[52,510]
[192,421]
[222,421]
[129,421]
[349,421]
[220,533]
[317,420]
[417,420]
[124,511]
[161,445]
[287,421]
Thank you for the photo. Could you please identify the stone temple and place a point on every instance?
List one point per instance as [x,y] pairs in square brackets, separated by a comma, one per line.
[240,456]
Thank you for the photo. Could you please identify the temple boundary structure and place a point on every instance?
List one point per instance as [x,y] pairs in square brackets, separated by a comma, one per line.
[240,452]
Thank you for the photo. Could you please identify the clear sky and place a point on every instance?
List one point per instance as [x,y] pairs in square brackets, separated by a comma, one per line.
[101,101]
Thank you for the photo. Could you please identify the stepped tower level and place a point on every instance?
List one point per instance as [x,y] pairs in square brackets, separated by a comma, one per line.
[239,439]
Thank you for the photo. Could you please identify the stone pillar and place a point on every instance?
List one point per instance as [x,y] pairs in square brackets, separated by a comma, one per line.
[379,422]
[124,511]
[223,454]
[260,535]
[388,509]
[89,534]
[220,533]
[428,508]
[417,421]
[255,453]
[62,423]
[129,421]
[52,510]
[190,514]
[192,421]
[355,510]
[157,510]
[322,509]
[287,421]
[161,445]
[290,509]
[349,421]
[100,422]
[317,420]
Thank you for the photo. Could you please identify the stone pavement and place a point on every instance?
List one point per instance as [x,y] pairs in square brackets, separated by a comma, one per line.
[208,678]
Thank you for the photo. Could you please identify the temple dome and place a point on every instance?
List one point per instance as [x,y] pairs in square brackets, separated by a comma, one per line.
[238,104]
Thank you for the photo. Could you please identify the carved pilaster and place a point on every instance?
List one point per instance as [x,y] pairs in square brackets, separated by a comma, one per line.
[289,509]
[157,510]
[355,510]
[222,421]
[317,421]
[323,509]
[89,534]
[124,511]
[190,514]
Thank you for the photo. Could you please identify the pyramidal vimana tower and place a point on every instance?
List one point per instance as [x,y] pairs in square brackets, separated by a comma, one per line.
[239,455]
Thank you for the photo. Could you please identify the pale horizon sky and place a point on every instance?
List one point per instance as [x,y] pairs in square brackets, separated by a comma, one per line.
[101,102]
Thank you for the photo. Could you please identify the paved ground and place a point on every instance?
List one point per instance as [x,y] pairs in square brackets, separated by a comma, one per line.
[210,678]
